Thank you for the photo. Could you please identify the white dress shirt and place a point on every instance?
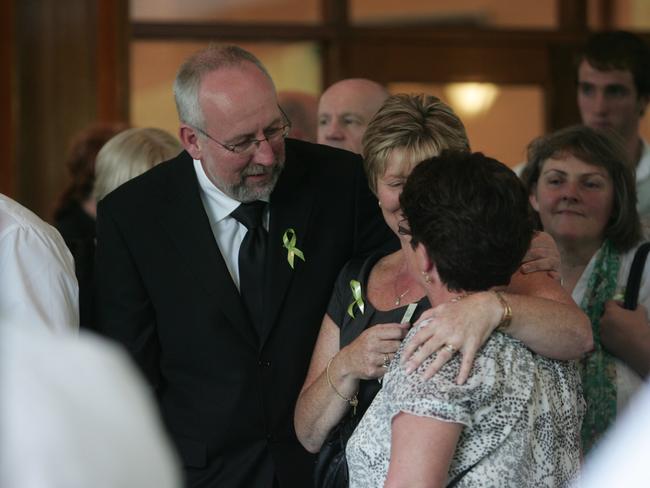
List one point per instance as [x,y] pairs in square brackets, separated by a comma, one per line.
[643,166]
[643,187]
[38,286]
[75,413]
[228,231]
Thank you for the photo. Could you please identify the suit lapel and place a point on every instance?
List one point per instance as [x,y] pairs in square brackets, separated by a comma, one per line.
[291,208]
[187,224]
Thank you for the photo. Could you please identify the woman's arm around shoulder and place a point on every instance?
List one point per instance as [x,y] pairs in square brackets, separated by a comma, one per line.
[546,318]
[543,316]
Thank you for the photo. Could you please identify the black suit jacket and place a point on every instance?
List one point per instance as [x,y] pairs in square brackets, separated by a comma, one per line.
[163,290]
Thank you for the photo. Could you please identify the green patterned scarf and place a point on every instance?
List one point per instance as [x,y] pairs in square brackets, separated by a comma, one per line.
[598,368]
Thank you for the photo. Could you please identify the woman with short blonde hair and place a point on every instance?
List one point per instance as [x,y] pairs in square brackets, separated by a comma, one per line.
[129,154]
[420,125]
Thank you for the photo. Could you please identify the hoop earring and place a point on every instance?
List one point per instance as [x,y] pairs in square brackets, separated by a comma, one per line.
[427,278]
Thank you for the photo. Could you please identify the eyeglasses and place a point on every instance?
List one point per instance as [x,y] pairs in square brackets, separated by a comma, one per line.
[271,134]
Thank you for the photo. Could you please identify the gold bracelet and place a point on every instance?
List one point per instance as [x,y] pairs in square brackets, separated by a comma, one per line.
[506,318]
[353,400]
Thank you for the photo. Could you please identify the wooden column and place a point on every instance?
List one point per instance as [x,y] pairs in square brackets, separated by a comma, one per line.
[561,101]
[7,99]
[71,71]
[113,37]
[336,18]
[572,15]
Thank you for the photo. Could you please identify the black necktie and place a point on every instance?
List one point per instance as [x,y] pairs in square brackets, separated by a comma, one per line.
[252,256]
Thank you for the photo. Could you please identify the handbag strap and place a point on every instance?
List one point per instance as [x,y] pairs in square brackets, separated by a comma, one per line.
[634,278]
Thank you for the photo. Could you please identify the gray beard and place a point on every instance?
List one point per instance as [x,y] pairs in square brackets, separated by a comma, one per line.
[243,193]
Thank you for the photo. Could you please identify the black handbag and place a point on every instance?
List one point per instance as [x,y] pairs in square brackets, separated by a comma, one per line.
[331,465]
[331,470]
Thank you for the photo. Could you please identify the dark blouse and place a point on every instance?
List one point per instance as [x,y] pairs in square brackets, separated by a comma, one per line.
[359,269]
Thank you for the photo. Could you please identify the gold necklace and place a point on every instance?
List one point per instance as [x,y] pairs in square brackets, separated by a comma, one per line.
[398,299]
[399,296]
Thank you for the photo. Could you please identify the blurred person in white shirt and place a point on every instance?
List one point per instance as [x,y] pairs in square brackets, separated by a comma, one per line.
[621,458]
[74,413]
[38,286]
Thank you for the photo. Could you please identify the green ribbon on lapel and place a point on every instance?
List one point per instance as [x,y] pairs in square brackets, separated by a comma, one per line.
[355,286]
[289,240]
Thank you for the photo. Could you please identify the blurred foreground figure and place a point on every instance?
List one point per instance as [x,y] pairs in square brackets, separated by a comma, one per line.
[37,282]
[621,459]
[75,414]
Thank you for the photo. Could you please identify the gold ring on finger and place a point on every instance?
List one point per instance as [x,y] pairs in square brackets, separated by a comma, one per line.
[386,362]
[449,348]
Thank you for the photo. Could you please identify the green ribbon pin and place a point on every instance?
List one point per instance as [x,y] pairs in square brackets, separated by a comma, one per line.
[355,286]
[289,240]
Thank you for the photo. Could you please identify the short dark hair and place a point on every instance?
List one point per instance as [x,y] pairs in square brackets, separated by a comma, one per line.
[620,50]
[599,148]
[472,215]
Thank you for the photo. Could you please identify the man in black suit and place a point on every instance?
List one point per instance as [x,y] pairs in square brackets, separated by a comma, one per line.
[226,365]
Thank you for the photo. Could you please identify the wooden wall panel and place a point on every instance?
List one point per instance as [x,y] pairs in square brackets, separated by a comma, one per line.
[425,62]
[56,80]
[8,108]
[62,71]
[112,53]
[64,65]
[561,103]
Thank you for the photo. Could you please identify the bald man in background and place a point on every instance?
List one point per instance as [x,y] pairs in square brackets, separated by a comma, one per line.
[302,110]
[345,109]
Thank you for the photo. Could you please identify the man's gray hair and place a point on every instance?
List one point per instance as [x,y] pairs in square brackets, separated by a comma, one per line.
[191,72]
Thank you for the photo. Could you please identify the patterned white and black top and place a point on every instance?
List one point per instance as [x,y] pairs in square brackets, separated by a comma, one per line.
[521,415]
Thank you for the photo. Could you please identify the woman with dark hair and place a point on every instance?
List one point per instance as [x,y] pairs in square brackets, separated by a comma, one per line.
[75,212]
[515,422]
[376,299]
[74,216]
[584,192]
